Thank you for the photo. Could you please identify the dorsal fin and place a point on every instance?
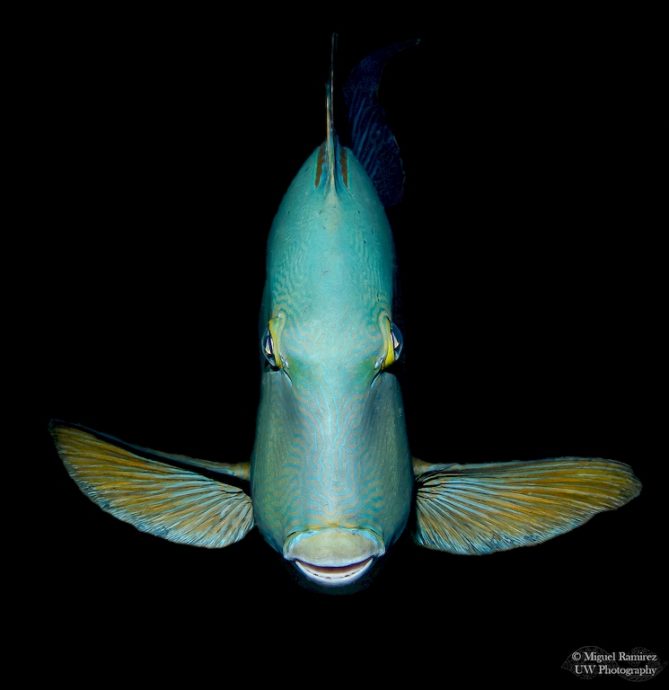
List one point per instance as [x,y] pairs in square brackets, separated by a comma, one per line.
[331,137]
[372,141]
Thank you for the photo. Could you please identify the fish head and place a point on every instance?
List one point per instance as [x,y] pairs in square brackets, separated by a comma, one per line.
[331,473]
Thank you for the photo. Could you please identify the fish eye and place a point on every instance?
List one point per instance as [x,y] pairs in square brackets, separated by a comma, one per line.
[397,340]
[393,343]
[267,346]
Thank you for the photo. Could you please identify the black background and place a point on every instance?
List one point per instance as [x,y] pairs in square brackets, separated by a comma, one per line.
[161,148]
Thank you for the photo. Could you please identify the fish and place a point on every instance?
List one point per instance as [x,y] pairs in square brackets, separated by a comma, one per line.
[331,483]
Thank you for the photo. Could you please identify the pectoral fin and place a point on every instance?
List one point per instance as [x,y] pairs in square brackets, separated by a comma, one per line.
[165,500]
[482,508]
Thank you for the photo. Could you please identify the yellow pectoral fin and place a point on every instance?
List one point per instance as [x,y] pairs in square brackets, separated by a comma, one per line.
[153,496]
[482,508]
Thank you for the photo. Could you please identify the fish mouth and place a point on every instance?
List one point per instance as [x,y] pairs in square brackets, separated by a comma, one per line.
[334,575]
[333,556]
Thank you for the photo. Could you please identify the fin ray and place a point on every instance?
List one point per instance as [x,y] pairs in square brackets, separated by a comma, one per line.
[373,143]
[482,508]
[118,448]
[170,502]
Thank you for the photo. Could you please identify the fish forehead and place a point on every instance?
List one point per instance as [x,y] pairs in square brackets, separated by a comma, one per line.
[332,351]
[330,253]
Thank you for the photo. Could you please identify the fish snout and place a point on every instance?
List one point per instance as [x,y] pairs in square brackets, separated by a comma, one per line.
[335,556]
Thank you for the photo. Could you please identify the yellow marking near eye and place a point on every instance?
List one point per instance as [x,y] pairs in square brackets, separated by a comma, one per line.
[389,345]
[276,324]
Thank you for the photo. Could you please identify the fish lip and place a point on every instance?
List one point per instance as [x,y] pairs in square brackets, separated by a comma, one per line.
[333,556]
[370,545]
[334,576]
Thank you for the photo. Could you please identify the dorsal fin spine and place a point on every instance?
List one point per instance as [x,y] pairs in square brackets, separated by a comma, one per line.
[331,137]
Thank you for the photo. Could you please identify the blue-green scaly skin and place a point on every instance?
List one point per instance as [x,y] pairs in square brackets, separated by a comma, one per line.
[331,446]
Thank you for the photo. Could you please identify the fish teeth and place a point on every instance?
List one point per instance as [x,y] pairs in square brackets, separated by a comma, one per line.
[334,575]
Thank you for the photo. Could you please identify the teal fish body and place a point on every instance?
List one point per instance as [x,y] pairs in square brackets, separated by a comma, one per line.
[331,483]
[331,459]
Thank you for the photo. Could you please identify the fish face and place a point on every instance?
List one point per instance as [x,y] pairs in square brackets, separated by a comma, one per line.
[331,476]
[334,557]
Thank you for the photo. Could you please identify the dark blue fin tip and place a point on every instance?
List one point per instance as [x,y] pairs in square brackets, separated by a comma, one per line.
[372,141]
